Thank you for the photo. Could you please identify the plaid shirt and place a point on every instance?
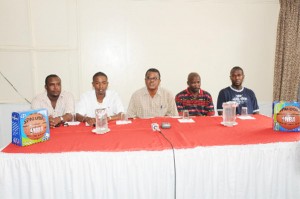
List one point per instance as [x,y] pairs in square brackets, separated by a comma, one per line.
[200,105]
[142,105]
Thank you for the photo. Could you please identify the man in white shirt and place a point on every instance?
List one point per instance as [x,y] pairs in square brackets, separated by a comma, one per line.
[98,98]
[60,104]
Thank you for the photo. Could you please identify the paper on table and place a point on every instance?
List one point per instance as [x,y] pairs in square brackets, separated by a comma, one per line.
[118,122]
[73,123]
[176,116]
[246,117]
[186,120]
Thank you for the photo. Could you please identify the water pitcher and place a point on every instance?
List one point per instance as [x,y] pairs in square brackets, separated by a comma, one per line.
[229,113]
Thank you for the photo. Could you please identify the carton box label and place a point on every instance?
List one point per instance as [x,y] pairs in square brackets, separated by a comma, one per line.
[286,116]
[30,127]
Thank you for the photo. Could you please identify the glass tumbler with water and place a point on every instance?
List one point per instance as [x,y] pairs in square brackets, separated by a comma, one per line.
[229,113]
[244,111]
[101,120]
[185,114]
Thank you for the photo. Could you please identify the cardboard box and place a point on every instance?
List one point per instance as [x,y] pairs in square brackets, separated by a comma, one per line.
[286,116]
[30,127]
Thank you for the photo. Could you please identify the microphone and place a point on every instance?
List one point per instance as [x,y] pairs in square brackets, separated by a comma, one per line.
[155,127]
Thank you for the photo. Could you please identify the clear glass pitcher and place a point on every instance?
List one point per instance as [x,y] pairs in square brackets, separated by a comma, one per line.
[101,121]
[229,113]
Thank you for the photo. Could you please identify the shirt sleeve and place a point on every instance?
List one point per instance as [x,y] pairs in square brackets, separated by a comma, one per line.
[172,109]
[210,107]
[81,106]
[179,104]
[69,103]
[34,104]
[221,99]
[255,104]
[117,106]
[131,110]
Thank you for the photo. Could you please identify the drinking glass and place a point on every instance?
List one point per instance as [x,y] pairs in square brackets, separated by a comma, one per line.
[185,115]
[244,111]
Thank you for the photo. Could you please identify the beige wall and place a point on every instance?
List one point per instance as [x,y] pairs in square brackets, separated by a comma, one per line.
[123,38]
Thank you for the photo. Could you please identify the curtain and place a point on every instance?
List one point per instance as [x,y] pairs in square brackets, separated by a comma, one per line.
[287,57]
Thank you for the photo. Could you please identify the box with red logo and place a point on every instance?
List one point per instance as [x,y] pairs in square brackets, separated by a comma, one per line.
[286,116]
[30,127]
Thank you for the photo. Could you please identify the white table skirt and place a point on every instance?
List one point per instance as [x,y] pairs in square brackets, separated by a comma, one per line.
[249,171]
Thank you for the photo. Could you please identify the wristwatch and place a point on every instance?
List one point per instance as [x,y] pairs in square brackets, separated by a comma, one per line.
[61,119]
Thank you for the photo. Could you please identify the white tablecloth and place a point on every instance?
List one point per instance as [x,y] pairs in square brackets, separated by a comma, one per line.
[245,171]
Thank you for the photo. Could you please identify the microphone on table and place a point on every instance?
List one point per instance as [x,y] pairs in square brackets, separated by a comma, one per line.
[155,127]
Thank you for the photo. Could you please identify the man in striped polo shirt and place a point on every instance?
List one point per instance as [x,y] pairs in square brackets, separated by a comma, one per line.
[197,101]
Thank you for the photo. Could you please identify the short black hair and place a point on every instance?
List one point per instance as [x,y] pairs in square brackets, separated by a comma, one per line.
[192,75]
[153,70]
[236,68]
[99,74]
[50,76]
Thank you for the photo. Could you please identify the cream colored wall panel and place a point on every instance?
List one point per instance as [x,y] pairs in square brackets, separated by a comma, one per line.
[17,68]
[63,64]
[124,38]
[50,23]
[14,23]
[178,37]
[104,46]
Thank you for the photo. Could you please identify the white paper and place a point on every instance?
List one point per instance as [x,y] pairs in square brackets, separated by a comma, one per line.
[246,117]
[176,117]
[186,120]
[120,122]
[72,123]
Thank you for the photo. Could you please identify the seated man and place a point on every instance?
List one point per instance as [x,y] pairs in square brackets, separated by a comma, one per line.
[60,104]
[152,100]
[243,96]
[197,101]
[98,98]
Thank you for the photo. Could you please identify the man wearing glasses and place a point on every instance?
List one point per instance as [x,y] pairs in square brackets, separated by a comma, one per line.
[243,96]
[152,100]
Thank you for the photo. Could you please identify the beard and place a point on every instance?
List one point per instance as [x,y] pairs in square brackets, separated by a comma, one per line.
[194,90]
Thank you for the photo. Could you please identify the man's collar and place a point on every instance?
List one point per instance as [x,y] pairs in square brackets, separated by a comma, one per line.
[236,90]
[158,92]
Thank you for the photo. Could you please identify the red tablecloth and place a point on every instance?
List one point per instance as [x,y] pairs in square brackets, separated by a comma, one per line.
[206,131]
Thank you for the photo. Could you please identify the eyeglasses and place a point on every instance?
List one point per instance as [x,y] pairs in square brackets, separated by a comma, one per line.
[153,78]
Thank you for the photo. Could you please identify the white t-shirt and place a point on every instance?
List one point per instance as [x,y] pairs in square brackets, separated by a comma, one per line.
[88,103]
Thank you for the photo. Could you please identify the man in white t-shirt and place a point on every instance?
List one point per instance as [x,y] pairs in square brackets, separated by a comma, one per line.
[98,98]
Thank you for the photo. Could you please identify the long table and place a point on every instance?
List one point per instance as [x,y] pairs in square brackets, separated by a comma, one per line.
[249,160]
